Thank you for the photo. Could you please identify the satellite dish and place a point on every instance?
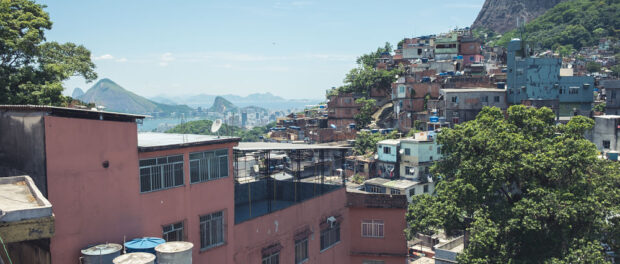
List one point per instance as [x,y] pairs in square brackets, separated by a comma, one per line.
[216,125]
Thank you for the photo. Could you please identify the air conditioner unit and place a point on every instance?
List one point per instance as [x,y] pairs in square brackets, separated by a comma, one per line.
[332,221]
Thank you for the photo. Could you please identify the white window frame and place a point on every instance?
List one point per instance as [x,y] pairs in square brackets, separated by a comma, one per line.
[175,228]
[168,171]
[208,165]
[373,228]
[272,259]
[330,236]
[212,233]
[301,251]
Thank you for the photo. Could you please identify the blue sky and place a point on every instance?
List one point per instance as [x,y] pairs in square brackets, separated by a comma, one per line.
[294,49]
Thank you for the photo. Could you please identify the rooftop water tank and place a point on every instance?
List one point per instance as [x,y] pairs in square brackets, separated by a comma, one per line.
[177,252]
[144,244]
[434,119]
[101,254]
[135,258]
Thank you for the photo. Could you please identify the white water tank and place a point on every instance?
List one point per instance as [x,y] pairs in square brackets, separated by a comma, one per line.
[101,254]
[177,252]
[135,258]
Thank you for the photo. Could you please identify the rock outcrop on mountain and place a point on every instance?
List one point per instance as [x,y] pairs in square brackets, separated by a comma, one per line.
[501,15]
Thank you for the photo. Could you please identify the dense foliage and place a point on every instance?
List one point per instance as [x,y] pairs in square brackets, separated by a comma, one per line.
[527,190]
[362,79]
[366,141]
[364,117]
[203,127]
[32,70]
[574,24]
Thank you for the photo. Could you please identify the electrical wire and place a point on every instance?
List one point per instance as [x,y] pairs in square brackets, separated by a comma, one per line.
[6,251]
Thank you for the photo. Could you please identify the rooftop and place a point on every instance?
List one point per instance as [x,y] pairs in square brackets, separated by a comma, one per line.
[150,141]
[21,200]
[608,116]
[475,89]
[401,184]
[72,112]
[389,142]
[254,146]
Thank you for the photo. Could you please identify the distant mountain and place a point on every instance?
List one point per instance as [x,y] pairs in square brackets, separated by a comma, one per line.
[264,100]
[163,100]
[222,105]
[77,92]
[115,98]
[501,15]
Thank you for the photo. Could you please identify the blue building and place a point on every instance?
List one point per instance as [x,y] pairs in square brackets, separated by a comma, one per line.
[536,81]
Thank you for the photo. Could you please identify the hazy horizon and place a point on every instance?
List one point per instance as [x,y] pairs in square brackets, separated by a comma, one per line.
[292,49]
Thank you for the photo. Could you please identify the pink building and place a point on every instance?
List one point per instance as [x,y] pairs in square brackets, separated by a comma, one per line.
[108,183]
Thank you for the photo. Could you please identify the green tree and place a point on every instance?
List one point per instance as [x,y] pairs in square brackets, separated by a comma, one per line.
[527,190]
[32,70]
[593,66]
[364,117]
[366,142]
[369,60]
[203,127]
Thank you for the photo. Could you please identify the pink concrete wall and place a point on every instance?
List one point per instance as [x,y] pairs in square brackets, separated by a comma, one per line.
[394,242]
[281,226]
[93,204]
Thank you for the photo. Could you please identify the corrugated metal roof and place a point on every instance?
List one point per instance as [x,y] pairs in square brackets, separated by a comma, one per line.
[71,112]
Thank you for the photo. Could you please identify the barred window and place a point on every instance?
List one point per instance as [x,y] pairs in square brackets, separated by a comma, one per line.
[161,173]
[394,191]
[330,236]
[373,262]
[208,165]
[272,258]
[372,228]
[173,232]
[212,230]
[301,250]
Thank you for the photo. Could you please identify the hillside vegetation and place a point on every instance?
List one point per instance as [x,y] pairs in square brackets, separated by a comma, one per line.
[574,24]
[203,127]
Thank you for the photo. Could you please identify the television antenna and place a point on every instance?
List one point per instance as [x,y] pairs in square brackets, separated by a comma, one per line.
[216,126]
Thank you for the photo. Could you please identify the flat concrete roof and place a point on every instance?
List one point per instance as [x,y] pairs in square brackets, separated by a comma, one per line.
[255,146]
[389,142]
[401,184]
[377,181]
[151,141]
[20,200]
[608,116]
[468,90]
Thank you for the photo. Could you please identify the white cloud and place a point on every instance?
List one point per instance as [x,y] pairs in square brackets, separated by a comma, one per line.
[165,59]
[122,59]
[104,57]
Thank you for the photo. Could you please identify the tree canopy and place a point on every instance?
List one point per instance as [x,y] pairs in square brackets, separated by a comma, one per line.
[31,69]
[577,23]
[526,189]
[364,117]
[363,78]
[203,127]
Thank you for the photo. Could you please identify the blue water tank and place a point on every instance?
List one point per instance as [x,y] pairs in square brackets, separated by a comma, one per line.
[352,126]
[144,244]
[424,60]
[612,155]
[374,131]
[434,119]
